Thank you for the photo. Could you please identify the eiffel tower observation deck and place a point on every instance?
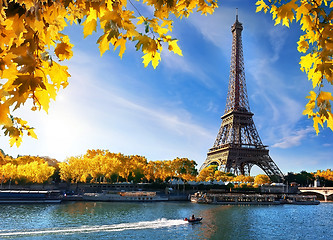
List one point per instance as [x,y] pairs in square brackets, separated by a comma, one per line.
[238,146]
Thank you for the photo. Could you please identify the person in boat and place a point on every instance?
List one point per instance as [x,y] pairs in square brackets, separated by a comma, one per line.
[192,218]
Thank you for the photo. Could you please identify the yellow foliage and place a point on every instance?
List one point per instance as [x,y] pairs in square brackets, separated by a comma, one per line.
[26,169]
[261,179]
[101,164]
[315,19]
[207,173]
[328,174]
[30,30]
[261,6]
[173,46]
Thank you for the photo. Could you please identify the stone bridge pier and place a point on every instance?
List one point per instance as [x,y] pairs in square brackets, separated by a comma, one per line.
[325,191]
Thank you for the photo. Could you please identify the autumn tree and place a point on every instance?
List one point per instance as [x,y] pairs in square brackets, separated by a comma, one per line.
[158,170]
[150,171]
[223,176]
[4,158]
[184,168]
[326,177]
[139,164]
[328,174]
[207,174]
[32,45]
[34,172]
[315,18]
[101,164]
[261,179]
[26,169]
[239,178]
[74,169]
[126,167]
[8,172]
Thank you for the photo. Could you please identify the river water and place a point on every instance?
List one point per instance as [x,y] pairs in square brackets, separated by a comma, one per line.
[163,220]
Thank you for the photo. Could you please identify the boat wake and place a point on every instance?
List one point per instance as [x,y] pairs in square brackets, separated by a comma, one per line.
[159,223]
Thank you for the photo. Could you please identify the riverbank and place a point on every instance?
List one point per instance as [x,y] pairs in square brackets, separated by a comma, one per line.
[253,199]
[266,194]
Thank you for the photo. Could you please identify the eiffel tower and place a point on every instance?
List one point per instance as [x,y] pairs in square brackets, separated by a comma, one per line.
[238,146]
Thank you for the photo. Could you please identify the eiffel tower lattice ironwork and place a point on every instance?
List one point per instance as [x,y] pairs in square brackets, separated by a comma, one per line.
[238,146]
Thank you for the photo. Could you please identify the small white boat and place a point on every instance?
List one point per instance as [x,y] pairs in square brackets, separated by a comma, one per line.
[193,220]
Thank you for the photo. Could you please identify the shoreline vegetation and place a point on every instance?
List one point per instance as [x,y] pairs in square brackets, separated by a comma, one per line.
[102,166]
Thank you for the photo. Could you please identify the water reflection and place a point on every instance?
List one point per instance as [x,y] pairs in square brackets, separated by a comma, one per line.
[110,220]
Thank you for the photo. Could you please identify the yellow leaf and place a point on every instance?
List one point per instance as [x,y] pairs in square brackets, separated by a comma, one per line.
[306,62]
[43,99]
[89,27]
[122,43]
[285,13]
[309,108]
[330,121]
[303,45]
[143,41]
[315,76]
[307,23]
[156,59]
[141,20]
[146,59]
[317,120]
[90,23]
[261,5]
[18,26]
[167,22]
[153,57]
[104,43]
[312,96]
[324,96]
[302,10]
[311,104]
[32,133]
[173,46]
[4,112]
[15,140]
[64,50]
[59,75]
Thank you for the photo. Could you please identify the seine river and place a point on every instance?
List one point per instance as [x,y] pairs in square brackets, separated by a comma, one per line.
[163,220]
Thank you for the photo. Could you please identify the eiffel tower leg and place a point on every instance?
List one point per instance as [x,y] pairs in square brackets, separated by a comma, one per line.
[271,169]
[246,168]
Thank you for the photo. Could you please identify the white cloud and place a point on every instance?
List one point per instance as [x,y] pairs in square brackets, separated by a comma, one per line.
[294,139]
[327,144]
[279,108]
[277,38]
[216,28]
[183,64]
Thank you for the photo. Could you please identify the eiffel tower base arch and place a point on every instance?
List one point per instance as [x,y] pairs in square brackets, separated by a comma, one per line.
[240,160]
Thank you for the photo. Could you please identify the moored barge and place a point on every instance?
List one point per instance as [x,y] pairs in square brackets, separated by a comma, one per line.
[139,196]
[24,196]
[236,199]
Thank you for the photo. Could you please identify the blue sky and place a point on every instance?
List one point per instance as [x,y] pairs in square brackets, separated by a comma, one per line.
[174,110]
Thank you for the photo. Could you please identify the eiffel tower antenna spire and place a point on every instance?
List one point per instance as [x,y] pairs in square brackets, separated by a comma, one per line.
[238,146]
